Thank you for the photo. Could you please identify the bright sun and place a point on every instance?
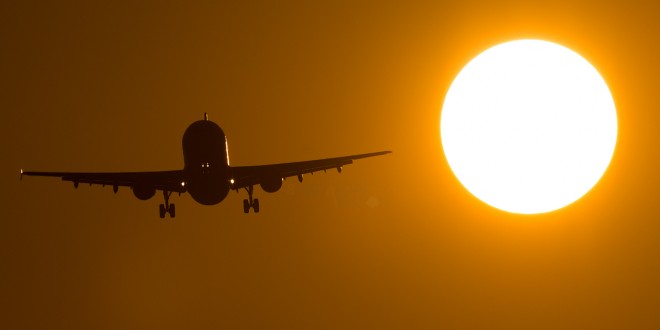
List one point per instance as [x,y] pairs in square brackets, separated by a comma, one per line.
[528,126]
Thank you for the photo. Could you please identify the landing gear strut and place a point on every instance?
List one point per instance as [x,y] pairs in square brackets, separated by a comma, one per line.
[167,207]
[250,203]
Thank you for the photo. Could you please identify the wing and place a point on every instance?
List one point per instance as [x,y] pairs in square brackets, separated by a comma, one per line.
[245,176]
[164,180]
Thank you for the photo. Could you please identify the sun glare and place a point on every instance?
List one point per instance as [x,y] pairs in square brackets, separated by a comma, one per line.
[528,126]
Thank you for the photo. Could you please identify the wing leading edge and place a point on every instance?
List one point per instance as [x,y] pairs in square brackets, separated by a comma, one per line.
[246,176]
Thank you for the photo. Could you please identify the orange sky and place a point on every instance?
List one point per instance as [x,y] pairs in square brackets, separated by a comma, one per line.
[392,242]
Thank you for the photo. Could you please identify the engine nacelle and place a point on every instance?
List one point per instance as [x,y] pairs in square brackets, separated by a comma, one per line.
[144,192]
[271,185]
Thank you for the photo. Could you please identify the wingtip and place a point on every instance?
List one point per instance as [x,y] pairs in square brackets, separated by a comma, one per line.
[372,154]
[21,177]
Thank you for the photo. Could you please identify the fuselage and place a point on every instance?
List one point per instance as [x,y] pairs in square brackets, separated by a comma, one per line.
[206,162]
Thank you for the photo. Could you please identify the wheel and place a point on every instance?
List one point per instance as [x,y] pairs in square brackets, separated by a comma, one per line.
[256,205]
[162,211]
[172,211]
[246,206]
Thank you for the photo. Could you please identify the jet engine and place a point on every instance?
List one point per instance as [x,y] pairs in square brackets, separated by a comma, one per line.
[144,192]
[271,185]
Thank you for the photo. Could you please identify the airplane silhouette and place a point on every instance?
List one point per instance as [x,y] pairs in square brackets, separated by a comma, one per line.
[206,173]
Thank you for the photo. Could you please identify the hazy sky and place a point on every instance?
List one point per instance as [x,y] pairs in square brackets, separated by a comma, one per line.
[393,242]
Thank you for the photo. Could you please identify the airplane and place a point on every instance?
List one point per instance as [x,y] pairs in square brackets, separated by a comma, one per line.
[206,173]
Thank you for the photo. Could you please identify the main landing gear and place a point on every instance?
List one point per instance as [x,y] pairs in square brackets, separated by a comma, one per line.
[167,207]
[250,203]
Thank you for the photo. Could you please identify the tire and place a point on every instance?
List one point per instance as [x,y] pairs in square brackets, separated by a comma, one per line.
[172,211]
[162,211]
[256,205]
[246,206]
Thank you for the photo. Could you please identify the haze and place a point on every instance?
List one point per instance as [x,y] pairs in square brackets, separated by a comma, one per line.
[392,242]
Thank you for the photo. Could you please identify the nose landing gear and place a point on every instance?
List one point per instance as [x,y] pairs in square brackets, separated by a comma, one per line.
[249,202]
[167,207]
